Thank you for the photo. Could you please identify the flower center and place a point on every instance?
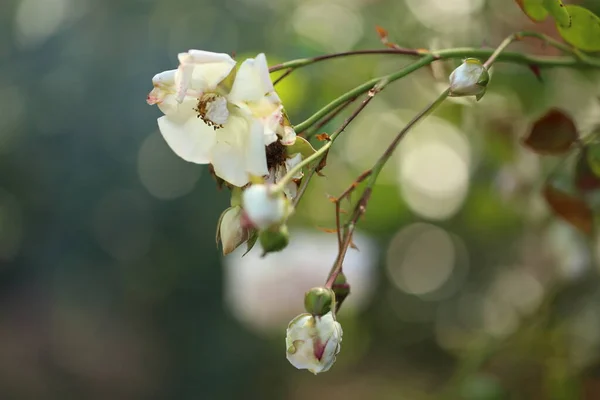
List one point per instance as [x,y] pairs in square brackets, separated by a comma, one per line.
[276,154]
[212,108]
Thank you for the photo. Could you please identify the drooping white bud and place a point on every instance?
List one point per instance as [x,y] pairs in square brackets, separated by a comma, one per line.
[264,207]
[312,342]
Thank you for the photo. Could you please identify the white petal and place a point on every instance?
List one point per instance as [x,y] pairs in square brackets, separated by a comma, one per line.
[190,138]
[263,71]
[229,152]
[164,90]
[256,157]
[201,70]
[290,163]
[289,136]
[249,84]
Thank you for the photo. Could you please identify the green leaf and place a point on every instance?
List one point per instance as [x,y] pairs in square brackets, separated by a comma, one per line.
[534,9]
[558,10]
[593,158]
[584,32]
[554,133]
[301,146]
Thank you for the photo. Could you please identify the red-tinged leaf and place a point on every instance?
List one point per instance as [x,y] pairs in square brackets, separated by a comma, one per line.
[570,208]
[322,163]
[554,133]
[382,32]
[322,137]
[327,230]
[536,71]
[585,179]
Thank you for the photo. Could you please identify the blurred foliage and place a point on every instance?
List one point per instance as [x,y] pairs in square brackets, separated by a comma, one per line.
[110,282]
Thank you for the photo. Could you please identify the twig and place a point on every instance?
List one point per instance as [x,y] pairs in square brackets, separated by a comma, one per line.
[310,132]
[372,175]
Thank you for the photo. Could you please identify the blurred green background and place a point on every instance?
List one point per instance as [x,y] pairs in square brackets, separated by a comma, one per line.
[111,287]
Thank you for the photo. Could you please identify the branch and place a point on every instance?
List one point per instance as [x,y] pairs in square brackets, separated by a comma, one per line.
[372,175]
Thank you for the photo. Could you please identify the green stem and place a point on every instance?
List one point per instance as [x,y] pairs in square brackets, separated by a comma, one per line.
[375,85]
[376,169]
[373,173]
[363,88]
[498,55]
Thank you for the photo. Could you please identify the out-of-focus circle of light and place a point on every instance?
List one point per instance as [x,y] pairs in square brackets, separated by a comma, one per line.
[162,172]
[569,251]
[434,163]
[122,224]
[37,20]
[367,138]
[11,225]
[445,16]
[420,258]
[266,293]
[518,288]
[313,20]
[499,318]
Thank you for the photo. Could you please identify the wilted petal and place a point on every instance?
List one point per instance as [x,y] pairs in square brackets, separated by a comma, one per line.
[231,232]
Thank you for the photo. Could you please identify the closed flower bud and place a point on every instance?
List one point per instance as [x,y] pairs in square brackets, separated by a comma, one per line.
[263,207]
[230,231]
[469,79]
[312,342]
[274,239]
[318,300]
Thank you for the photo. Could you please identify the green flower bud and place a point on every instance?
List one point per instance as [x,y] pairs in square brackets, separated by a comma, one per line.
[318,300]
[274,239]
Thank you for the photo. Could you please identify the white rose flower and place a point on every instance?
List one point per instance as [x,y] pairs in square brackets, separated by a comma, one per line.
[264,208]
[206,125]
[469,79]
[312,342]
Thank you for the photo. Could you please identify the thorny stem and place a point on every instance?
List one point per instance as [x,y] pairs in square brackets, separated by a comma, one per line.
[372,175]
[365,87]
[575,59]
[313,130]
[322,152]
[373,86]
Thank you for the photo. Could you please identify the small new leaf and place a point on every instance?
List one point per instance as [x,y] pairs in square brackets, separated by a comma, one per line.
[322,137]
[553,134]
